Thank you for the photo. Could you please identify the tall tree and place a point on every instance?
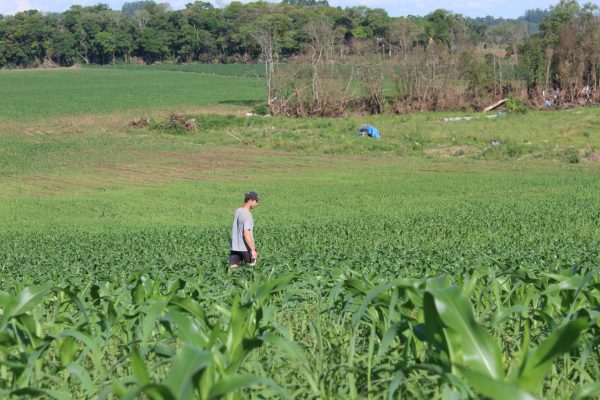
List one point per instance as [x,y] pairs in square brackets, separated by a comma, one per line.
[130,8]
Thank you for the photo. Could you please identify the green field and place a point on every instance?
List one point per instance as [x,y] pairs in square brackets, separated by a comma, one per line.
[31,95]
[427,264]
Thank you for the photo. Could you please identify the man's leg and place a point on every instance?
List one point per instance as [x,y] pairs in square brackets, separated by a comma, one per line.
[248,258]
[234,259]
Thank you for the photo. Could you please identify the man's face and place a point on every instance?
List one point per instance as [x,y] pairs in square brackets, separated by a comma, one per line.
[253,203]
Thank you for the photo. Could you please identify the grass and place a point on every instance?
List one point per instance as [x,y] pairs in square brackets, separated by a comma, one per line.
[192,192]
[535,135]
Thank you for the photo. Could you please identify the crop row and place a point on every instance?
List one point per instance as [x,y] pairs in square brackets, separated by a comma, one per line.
[169,339]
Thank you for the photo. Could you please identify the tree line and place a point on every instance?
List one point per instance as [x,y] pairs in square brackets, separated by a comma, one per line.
[439,61]
[200,32]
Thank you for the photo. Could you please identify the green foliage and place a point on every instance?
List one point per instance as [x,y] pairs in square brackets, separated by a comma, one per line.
[507,151]
[200,32]
[442,26]
[515,105]
[223,122]
[261,109]
[532,61]
[130,8]
[571,155]
[560,14]
[307,3]
[464,348]
[450,323]
[478,74]
[538,362]
[183,338]
[203,357]
[175,125]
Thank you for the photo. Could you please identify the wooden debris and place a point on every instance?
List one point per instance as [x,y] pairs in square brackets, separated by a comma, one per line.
[139,123]
[496,104]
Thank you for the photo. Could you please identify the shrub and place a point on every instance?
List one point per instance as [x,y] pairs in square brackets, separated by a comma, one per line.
[175,125]
[261,109]
[209,122]
[506,151]
[571,155]
[516,105]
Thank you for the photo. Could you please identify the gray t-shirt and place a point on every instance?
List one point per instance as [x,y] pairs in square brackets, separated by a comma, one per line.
[242,220]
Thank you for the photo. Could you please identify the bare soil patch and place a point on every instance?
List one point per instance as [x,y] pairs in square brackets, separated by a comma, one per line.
[150,168]
[42,67]
[453,151]
[593,158]
[119,122]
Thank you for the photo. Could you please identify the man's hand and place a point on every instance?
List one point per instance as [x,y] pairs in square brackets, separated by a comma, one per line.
[254,254]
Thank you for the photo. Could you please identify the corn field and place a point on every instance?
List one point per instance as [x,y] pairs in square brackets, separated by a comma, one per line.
[499,311]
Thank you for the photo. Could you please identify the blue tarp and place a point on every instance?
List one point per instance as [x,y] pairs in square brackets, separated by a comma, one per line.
[370,131]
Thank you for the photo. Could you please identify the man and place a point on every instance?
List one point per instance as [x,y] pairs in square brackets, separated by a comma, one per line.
[243,248]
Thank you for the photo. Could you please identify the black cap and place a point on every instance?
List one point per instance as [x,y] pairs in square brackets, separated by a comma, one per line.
[251,196]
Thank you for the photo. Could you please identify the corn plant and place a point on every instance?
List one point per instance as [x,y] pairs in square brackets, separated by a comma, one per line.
[401,316]
[135,326]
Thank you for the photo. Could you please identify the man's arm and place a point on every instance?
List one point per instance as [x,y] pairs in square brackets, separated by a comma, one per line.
[250,242]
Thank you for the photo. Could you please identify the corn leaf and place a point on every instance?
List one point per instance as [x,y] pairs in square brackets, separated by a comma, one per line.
[187,363]
[139,367]
[468,343]
[23,302]
[539,361]
[495,389]
[231,384]
[33,392]
[589,391]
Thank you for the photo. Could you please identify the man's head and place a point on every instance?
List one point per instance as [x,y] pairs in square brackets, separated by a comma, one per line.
[251,199]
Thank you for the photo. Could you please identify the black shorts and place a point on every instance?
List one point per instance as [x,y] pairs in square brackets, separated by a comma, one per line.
[237,257]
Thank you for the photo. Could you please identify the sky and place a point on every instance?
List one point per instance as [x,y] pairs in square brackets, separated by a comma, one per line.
[395,8]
